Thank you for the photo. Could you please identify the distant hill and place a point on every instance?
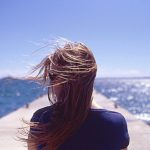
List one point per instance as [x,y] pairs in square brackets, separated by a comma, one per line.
[15,93]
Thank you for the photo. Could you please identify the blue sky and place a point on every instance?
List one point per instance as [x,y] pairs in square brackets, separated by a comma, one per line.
[117,31]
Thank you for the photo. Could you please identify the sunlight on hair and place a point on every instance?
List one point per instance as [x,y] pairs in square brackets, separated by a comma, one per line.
[71,68]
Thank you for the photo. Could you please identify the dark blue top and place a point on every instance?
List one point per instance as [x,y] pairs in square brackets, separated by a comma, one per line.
[102,130]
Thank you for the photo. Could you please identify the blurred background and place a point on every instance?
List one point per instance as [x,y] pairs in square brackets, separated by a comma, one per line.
[118,33]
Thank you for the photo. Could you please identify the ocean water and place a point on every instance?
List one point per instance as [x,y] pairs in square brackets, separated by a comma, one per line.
[132,94]
[15,93]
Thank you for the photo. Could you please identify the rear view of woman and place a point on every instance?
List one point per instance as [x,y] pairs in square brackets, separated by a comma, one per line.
[71,123]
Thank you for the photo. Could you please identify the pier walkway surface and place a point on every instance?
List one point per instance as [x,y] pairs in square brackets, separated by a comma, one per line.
[139,131]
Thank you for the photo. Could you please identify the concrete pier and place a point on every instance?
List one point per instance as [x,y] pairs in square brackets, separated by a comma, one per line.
[139,131]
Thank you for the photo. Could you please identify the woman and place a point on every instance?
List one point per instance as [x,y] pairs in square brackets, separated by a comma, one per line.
[71,123]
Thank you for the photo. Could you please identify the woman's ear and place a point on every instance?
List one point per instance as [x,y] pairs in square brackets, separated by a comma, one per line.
[57,90]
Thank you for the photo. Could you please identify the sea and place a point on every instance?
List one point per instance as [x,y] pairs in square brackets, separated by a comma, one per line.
[15,93]
[132,94]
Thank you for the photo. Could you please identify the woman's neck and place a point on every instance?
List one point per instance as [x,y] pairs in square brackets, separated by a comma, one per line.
[95,105]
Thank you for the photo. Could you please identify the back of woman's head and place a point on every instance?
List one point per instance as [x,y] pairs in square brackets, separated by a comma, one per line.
[69,73]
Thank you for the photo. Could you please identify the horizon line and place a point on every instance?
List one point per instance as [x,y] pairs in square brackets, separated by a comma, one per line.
[98,77]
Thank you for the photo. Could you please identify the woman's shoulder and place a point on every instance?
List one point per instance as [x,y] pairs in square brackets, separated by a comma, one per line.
[38,114]
[109,116]
[105,114]
[114,122]
[106,111]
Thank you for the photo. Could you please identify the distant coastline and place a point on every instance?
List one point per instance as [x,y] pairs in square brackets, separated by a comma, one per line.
[100,77]
[136,77]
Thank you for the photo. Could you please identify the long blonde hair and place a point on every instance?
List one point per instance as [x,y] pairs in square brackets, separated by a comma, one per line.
[72,66]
